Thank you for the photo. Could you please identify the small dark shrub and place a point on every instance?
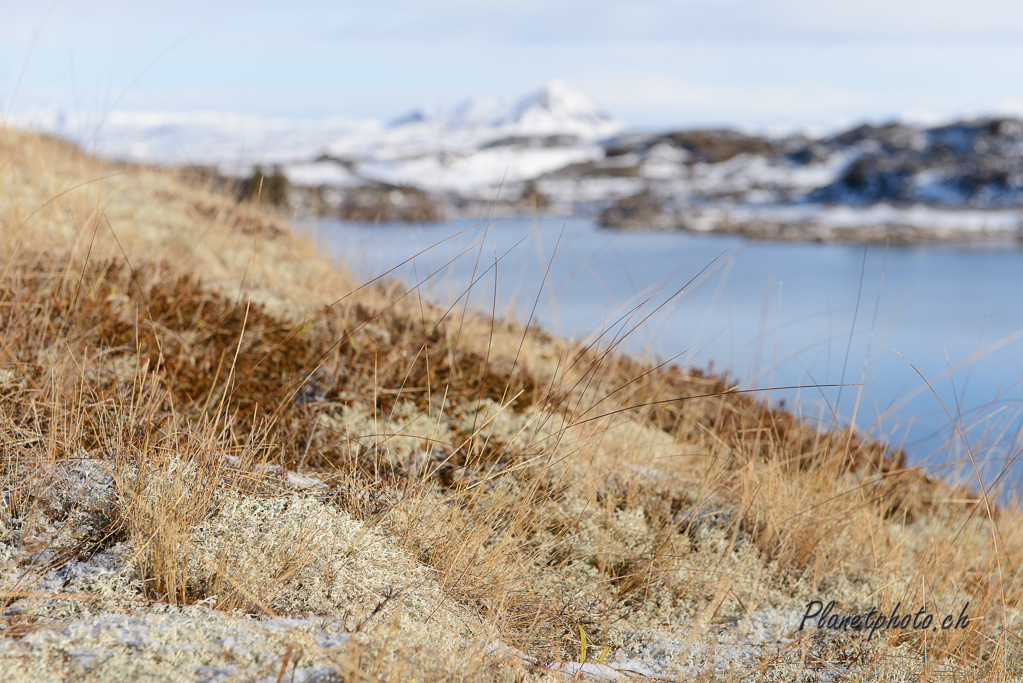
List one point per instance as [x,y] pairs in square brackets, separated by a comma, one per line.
[274,190]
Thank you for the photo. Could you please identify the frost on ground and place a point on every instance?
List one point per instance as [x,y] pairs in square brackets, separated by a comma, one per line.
[760,646]
[316,583]
[176,644]
[77,611]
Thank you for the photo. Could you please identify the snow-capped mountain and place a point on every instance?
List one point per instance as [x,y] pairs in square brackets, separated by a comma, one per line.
[555,111]
[208,137]
[474,147]
[468,149]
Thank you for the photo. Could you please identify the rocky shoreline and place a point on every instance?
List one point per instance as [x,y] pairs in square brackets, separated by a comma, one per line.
[830,223]
[957,183]
[555,151]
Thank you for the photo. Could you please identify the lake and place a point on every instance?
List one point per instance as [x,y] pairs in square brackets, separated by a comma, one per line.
[770,314]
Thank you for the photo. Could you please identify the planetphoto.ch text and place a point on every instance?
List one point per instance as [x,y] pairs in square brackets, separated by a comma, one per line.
[824,616]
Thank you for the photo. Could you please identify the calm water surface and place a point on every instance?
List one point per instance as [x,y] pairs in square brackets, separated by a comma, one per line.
[771,314]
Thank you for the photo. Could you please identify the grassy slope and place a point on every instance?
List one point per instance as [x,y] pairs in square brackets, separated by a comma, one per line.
[479,482]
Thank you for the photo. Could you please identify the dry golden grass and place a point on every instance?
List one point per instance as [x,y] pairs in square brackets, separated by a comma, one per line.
[474,483]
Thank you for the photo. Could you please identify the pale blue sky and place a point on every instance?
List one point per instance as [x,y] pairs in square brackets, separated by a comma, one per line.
[653,64]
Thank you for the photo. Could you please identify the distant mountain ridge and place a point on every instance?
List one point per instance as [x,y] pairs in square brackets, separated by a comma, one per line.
[554,149]
[554,109]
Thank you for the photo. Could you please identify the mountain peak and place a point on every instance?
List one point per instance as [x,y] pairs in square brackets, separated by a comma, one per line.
[558,102]
[555,109]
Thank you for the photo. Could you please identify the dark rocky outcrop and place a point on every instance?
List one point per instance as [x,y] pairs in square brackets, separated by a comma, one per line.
[719,144]
[383,202]
[967,164]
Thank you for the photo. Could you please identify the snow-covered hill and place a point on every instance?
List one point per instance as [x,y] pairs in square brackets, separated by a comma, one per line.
[472,148]
[555,149]
[553,111]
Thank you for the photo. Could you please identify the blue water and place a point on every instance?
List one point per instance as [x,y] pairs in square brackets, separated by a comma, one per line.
[770,314]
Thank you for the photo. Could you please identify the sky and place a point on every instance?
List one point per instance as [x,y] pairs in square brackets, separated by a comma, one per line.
[766,64]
